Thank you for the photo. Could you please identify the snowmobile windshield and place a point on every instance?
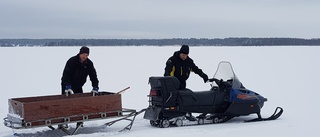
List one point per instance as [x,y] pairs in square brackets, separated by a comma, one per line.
[226,73]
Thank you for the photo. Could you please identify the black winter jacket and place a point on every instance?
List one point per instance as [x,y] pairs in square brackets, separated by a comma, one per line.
[75,74]
[179,68]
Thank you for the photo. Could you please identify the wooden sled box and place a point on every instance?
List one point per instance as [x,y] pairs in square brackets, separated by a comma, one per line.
[54,109]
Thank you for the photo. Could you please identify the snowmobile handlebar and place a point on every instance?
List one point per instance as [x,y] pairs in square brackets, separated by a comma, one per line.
[213,79]
[219,82]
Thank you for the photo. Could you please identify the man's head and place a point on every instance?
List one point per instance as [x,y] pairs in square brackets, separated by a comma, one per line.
[84,53]
[184,51]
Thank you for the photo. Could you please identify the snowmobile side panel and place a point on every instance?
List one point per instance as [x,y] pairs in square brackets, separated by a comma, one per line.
[238,109]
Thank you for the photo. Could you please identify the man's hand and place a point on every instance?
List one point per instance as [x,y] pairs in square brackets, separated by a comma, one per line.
[95,90]
[68,90]
[213,79]
[205,77]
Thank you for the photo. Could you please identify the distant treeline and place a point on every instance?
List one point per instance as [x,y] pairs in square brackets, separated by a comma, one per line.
[161,42]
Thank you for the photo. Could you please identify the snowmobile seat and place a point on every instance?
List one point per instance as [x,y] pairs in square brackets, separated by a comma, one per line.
[168,83]
[199,98]
[205,97]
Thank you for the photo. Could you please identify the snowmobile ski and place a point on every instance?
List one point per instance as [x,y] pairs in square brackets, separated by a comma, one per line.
[277,113]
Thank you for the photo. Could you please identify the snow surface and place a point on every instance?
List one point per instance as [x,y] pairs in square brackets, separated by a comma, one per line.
[287,76]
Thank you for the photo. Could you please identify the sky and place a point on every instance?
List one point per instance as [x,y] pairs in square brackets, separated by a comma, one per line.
[156,19]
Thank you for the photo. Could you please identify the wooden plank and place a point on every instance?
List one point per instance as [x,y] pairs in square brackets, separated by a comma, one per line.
[122,90]
[48,107]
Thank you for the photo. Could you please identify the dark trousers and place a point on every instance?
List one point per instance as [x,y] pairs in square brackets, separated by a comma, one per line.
[183,84]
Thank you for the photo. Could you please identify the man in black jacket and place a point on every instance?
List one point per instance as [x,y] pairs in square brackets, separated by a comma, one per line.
[180,65]
[76,72]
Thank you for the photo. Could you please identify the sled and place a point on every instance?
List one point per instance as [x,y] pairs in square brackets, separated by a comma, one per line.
[31,112]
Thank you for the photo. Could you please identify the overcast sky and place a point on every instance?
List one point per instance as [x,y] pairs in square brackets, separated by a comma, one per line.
[159,18]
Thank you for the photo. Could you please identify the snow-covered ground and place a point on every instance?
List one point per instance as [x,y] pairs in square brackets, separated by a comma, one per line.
[287,76]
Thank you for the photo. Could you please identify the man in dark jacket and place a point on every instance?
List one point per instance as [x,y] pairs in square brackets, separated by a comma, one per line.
[180,65]
[76,72]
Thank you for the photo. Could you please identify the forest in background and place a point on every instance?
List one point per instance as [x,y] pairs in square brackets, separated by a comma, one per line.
[162,42]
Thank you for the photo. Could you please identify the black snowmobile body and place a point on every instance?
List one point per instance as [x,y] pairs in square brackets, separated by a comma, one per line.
[226,99]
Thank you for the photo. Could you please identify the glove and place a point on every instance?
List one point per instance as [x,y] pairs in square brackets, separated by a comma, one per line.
[68,90]
[95,90]
[205,77]
[213,79]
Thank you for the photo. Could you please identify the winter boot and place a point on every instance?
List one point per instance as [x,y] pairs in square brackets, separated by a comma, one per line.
[190,117]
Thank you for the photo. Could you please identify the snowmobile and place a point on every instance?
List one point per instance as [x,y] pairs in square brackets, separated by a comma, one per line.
[226,99]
